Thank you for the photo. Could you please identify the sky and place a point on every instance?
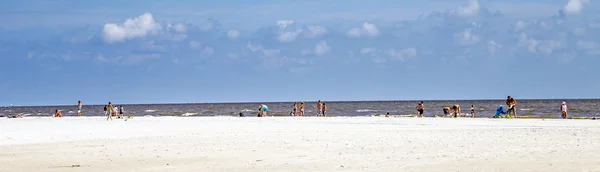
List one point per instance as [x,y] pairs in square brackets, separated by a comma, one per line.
[151,51]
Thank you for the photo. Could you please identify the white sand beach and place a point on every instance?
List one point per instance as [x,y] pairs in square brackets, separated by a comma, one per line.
[91,144]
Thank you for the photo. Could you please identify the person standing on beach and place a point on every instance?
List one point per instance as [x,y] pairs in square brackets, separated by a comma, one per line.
[120,111]
[319,108]
[79,108]
[420,108]
[564,110]
[264,109]
[57,114]
[294,109]
[109,108]
[324,109]
[472,111]
[511,102]
[301,108]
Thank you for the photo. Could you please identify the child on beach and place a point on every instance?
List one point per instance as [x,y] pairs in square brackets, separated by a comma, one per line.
[120,111]
[57,114]
[446,111]
[319,108]
[105,109]
[456,110]
[499,110]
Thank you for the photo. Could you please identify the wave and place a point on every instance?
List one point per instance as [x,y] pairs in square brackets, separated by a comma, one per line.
[150,110]
[367,110]
[189,114]
[526,109]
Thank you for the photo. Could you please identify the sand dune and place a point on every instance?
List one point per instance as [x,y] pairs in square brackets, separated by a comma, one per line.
[298,144]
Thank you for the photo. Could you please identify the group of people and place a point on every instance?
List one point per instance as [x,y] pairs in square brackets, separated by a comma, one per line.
[321,109]
[110,110]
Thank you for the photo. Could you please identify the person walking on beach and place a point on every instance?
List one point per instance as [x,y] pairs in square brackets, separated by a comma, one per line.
[472,111]
[420,108]
[456,110]
[324,109]
[511,102]
[79,108]
[294,109]
[109,108]
[301,108]
[263,110]
[564,110]
[319,108]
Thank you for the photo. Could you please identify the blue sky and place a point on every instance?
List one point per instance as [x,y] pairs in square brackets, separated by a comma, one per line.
[150,51]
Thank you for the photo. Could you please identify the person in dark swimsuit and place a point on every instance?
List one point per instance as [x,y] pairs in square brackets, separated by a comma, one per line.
[420,108]
[472,111]
[456,110]
[446,111]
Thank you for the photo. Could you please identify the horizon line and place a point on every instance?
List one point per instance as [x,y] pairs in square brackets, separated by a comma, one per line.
[266,102]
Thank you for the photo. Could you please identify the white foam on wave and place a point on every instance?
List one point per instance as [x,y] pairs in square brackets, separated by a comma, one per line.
[366,110]
[150,110]
[526,109]
[70,112]
[189,114]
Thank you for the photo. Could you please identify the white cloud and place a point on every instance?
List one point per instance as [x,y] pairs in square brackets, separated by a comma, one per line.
[590,48]
[466,38]
[402,54]
[531,44]
[284,23]
[367,50]
[102,58]
[469,9]
[367,30]
[549,46]
[321,48]
[574,6]
[289,36]
[265,52]
[493,47]
[233,34]
[194,44]
[179,28]
[315,31]
[30,55]
[208,51]
[132,28]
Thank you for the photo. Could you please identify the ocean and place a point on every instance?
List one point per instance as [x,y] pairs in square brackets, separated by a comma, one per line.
[483,108]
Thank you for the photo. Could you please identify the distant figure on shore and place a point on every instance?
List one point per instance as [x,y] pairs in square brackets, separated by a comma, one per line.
[324,109]
[564,110]
[511,102]
[472,111]
[121,110]
[456,110]
[319,108]
[109,109]
[79,108]
[115,110]
[387,115]
[15,116]
[241,114]
[57,114]
[294,108]
[420,108]
[301,108]
[446,111]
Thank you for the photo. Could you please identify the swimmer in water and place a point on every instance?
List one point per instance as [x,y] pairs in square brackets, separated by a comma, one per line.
[109,108]
[294,109]
[301,108]
[511,102]
[564,110]
[79,108]
[472,111]
[456,110]
[420,108]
